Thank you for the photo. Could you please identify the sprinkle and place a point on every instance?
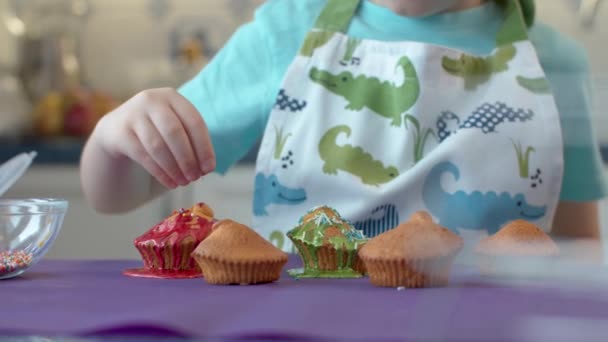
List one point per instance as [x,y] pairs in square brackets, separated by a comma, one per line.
[14,261]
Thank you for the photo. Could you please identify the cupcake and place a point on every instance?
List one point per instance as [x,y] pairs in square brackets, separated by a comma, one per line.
[235,254]
[421,217]
[517,243]
[417,253]
[166,248]
[328,246]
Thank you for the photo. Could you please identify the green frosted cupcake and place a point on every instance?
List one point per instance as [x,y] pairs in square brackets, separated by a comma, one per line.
[328,245]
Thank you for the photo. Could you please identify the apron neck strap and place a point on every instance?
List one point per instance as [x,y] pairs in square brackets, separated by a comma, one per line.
[336,15]
[514,27]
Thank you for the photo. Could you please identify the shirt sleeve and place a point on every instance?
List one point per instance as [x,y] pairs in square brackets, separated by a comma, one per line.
[566,66]
[236,91]
[233,94]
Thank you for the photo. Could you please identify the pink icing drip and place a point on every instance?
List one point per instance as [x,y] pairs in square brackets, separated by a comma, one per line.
[167,237]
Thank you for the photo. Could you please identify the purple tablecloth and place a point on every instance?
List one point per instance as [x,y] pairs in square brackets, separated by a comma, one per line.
[83,298]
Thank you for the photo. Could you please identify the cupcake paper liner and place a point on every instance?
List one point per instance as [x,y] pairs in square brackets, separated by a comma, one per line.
[169,257]
[225,272]
[410,273]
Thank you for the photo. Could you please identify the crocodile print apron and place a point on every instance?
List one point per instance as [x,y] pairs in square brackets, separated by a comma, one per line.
[379,130]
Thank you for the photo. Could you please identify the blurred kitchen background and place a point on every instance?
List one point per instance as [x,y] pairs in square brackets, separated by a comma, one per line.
[65,63]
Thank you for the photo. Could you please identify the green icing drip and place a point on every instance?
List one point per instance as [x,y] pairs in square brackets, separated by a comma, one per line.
[339,257]
[341,242]
[300,273]
[313,255]
[351,258]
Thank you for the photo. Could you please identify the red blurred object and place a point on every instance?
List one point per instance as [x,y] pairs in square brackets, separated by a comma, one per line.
[72,113]
[78,120]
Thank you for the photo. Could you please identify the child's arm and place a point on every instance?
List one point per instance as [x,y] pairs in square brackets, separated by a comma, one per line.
[134,155]
[566,65]
[155,141]
[579,220]
[576,227]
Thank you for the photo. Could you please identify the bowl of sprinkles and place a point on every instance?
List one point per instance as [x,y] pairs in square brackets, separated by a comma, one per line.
[28,228]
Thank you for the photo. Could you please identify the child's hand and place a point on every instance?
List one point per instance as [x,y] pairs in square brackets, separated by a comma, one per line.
[161,131]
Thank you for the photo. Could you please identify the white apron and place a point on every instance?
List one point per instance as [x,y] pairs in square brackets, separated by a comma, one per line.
[379,130]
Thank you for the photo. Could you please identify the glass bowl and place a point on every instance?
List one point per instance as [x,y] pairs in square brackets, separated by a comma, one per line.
[28,228]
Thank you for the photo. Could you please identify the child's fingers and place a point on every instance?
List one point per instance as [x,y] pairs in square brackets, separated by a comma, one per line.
[157,148]
[177,143]
[197,132]
[137,152]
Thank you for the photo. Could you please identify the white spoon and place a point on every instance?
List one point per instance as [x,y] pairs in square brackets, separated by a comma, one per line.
[13,169]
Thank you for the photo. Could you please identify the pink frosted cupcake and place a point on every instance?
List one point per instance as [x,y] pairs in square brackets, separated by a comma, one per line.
[166,248]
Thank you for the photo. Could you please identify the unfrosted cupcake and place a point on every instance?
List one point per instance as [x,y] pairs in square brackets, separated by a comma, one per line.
[518,243]
[165,249]
[417,253]
[235,254]
[328,245]
[421,217]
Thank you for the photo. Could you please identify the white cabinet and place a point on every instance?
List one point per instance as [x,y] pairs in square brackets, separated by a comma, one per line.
[88,235]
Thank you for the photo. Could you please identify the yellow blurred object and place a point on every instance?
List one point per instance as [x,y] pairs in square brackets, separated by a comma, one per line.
[49,115]
[102,104]
[73,112]
[192,51]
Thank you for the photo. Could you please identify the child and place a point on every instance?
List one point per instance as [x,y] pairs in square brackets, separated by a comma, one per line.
[462,108]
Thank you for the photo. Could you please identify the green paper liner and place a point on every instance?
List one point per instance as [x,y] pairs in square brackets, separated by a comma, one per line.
[327,262]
